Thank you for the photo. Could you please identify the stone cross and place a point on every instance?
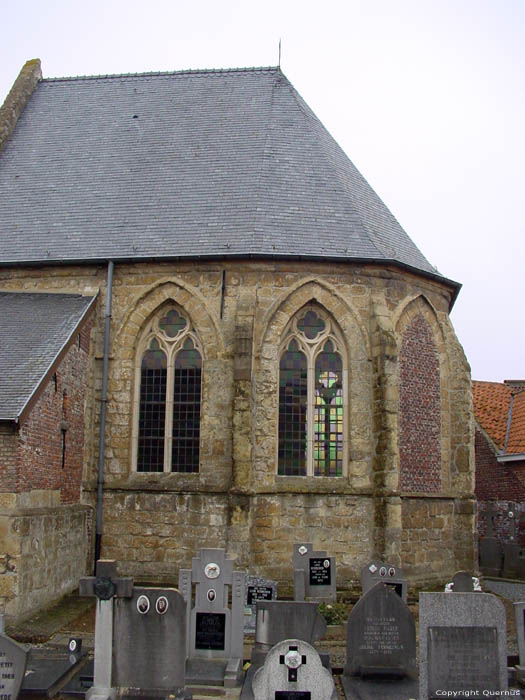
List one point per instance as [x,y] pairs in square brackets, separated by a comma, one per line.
[105,586]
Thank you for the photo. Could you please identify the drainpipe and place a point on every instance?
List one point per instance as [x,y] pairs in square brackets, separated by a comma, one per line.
[103,407]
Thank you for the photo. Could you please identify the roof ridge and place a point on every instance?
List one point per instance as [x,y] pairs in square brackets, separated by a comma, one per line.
[148,74]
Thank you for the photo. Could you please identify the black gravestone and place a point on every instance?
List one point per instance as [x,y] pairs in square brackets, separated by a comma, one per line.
[462,659]
[210,630]
[320,571]
[381,636]
[463,582]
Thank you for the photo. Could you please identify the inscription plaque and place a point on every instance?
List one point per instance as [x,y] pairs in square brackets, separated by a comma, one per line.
[461,659]
[255,593]
[293,695]
[320,571]
[210,630]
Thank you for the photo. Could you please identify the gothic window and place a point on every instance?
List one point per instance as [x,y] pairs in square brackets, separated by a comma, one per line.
[169,397]
[311,397]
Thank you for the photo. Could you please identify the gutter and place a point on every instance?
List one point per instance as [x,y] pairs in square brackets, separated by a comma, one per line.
[503,458]
[103,411]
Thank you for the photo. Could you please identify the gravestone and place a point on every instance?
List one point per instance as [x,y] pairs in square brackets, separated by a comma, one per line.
[278,620]
[462,645]
[105,585]
[381,636]
[380,647]
[149,648]
[388,574]
[293,671]
[215,632]
[490,547]
[313,574]
[519,613]
[463,582]
[13,660]
[256,589]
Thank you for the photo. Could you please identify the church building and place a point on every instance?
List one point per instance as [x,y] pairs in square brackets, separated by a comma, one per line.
[219,336]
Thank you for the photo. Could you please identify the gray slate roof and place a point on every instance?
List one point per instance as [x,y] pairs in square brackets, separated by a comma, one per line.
[211,163]
[35,328]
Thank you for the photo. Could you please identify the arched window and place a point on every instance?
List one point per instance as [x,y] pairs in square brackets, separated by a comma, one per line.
[312,384]
[168,375]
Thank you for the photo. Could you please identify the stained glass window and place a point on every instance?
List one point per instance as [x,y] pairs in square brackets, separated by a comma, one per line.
[170,376]
[311,398]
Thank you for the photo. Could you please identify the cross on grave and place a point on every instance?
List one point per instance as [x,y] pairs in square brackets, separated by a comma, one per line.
[105,585]
[292,660]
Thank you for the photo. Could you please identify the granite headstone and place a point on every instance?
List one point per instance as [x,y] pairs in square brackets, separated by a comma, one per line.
[314,574]
[462,645]
[215,631]
[13,660]
[388,574]
[293,671]
[256,589]
[149,649]
[381,636]
[519,614]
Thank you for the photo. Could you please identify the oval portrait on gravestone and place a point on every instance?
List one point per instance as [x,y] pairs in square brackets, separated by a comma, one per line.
[212,570]
[382,571]
[161,606]
[211,595]
[391,571]
[143,604]
[326,563]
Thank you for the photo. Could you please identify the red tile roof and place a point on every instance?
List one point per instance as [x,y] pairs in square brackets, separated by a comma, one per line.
[494,404]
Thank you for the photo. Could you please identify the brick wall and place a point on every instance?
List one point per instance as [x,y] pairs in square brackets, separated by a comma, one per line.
[419,409]
[8,458]
[51,439]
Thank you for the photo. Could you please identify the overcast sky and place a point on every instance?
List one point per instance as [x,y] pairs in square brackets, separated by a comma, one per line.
[425,96]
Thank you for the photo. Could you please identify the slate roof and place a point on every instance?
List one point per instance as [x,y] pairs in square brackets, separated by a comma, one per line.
[183,165]
[35,329]
[500,411]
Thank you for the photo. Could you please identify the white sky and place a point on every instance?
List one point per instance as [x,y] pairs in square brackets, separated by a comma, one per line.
[425,96]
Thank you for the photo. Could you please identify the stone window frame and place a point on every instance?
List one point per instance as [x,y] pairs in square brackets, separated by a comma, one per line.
[312,348]
[171,346]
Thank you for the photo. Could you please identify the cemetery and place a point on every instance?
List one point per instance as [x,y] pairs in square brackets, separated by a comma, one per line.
[225,633]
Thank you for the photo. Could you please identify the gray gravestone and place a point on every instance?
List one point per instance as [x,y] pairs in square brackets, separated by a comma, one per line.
[519,613]
[13,659]
[149,649]
[256,589]
[379,571]
[293,671]
[462,645]
[314,574]
[282,619]
[381,636]
[215,632]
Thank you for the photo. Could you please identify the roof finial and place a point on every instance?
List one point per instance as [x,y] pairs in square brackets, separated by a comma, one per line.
[279,64]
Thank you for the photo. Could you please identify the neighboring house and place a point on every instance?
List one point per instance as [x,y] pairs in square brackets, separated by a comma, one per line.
[499,410]
[44,368]
[273,358]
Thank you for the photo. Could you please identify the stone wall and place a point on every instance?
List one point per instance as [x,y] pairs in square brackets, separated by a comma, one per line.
[44,553]
[153,523]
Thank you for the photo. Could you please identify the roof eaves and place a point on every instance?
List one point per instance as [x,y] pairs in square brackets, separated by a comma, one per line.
[38,387]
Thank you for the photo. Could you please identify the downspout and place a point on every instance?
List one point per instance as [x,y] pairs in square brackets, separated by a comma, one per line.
[103,407]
